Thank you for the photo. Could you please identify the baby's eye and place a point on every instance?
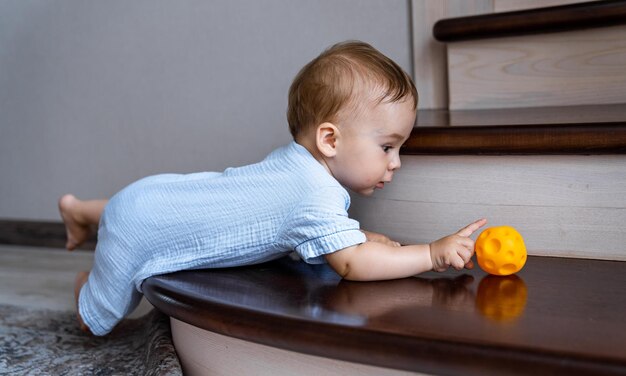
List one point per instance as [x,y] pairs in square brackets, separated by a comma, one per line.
[386,148]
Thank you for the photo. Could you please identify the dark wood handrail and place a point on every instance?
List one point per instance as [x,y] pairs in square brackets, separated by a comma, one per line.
[532,21]
[558,130]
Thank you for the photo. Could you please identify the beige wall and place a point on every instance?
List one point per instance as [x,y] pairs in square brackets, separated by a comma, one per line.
[97,94]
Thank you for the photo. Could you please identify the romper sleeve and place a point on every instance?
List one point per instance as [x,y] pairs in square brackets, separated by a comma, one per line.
[320,225]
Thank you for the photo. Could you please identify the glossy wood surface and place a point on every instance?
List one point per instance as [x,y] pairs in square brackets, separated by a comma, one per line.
[532,21]
[539,131]
[560,316]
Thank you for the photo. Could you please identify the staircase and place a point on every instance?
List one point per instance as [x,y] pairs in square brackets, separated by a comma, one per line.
[533,134]
[530,132]
[558,56]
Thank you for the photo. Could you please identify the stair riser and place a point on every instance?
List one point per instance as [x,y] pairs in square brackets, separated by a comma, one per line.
[569,206]
[584,67]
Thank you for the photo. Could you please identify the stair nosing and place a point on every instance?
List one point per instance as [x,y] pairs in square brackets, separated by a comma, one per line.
[560,18]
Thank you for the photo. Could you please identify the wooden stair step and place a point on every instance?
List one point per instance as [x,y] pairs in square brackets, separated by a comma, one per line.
[532,21]
[556,316]
[547,130]
[567,55]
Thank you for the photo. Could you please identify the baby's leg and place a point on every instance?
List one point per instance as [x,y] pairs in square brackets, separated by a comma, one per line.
[108,292]
[81,279]
[79,218]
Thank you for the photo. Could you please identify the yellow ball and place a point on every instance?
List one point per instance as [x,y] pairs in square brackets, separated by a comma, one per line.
[500,250]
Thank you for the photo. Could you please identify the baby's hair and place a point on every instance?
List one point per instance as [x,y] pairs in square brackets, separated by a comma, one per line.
[346,74]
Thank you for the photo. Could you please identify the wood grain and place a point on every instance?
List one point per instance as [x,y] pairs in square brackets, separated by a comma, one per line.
[515,5]
[597,138]
[560,115]
[562,69]
[568,206]
[542,20]
[598,129]
[429,56]
[556,316]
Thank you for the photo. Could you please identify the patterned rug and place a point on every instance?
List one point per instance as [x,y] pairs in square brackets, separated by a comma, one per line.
[45,342]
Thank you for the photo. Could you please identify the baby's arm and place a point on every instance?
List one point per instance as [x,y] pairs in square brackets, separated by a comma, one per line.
[371,260]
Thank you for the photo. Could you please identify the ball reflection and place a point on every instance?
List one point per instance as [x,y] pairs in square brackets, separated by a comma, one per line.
[502,298]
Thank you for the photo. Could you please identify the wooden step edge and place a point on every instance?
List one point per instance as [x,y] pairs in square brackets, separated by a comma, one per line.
[532,21]
[590,138]
[198,298]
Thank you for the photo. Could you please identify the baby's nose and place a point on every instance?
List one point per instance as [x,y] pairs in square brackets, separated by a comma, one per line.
[395,164]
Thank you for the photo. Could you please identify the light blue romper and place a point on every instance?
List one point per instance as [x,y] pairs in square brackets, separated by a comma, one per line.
[245,215]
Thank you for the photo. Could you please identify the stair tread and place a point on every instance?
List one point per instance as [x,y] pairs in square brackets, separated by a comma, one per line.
[597,129]
[556,316]
[532,21]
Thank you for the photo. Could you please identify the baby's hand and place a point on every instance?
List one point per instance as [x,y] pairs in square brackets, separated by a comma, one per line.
[455,250]
[380,238]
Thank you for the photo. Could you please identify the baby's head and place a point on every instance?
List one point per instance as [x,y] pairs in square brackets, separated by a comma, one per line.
[341,82]
[352,108]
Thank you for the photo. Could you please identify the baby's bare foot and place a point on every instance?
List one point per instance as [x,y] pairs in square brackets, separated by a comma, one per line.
[81,279]
[77,230]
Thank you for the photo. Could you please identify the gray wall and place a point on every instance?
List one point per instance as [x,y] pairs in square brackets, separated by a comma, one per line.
[96,94]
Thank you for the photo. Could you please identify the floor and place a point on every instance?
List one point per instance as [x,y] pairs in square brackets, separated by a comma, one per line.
[37,277]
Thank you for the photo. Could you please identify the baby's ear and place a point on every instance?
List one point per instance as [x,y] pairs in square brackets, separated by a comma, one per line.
[326,136]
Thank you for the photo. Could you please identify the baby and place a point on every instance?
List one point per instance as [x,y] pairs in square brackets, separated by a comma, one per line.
[350,110]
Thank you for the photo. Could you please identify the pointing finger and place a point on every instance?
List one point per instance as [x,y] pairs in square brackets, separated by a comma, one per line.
[469,230]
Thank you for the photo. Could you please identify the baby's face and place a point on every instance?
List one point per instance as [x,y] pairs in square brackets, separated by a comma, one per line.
[369,150]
